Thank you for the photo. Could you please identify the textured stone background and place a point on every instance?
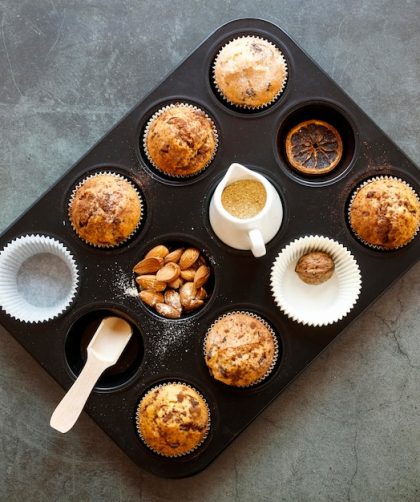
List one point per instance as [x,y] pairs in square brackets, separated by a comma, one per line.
[348,428]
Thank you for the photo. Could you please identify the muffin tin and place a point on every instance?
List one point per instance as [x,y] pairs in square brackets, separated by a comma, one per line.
[177,211]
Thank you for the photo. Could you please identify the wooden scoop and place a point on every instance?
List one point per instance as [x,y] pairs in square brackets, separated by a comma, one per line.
[103,351]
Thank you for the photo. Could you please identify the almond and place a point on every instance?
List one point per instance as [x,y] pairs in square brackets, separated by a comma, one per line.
[187,293]
[150,297]
[174,256]
[150,282]
[188,275]
[201,276]
[188,257]
[168,272]
[148,265]
[173,299]
[201,294]
[193,305]
[176,284]
[158,251]
[167,311]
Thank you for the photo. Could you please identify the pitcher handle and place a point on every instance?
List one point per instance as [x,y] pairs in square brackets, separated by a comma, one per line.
[257,243]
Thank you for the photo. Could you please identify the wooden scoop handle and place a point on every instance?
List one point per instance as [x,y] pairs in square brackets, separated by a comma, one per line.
[70,407]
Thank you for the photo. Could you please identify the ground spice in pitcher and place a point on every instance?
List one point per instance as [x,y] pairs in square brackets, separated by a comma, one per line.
[244,198]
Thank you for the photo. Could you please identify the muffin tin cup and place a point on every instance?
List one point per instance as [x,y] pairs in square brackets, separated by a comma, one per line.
[249,107]
[313,171]
[42,278]
[379,178]
[79,334]
[118,176]
[173,243]
[315,305]
[274,337]
[155,116]
[179,455]
[325,110]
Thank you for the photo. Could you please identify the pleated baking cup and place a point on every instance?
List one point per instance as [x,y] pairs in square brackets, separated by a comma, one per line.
[273,336]
[73,195]
[158,114]
[176,455]
[315,305]
[38,278]
[245,106]
[367,182]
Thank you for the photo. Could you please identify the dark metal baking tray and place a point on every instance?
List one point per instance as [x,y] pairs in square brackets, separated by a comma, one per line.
[177,211]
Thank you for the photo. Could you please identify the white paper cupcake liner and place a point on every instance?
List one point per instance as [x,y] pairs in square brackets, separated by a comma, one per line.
[156,115]
[322,304]
[116,175]
[270,329]
[244,106]
[42,278]
[178,454]
[356,191]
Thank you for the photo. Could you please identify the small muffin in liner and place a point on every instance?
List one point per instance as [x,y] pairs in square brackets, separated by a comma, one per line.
[240,349]
[250,72]
[38,278]
[180,140]
[105,209]
[384,213]
[173,419]
[315,305]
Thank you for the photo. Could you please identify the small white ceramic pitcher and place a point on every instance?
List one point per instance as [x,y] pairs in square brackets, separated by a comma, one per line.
[251,233]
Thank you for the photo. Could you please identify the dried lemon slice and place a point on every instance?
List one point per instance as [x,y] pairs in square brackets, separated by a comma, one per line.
[314,147]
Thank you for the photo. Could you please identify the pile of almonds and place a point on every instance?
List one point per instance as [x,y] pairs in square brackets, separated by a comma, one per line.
[172,282]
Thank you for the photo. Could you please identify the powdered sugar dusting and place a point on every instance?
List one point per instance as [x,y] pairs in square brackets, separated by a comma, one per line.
[168,340]
[124,283]
[169,334]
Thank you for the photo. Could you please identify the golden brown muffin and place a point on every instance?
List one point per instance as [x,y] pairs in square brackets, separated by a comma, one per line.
[250,72]
[105,210]
[240,349]
[173,419]
[315,268]
[180,140]
[385,212]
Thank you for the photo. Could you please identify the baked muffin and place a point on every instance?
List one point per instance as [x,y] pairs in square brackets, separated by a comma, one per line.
[180,140]
[240,349]
[250,72]
[173,419]
[105,210]
[385,212]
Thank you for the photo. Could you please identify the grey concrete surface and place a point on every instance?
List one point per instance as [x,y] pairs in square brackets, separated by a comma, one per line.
[349,428]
